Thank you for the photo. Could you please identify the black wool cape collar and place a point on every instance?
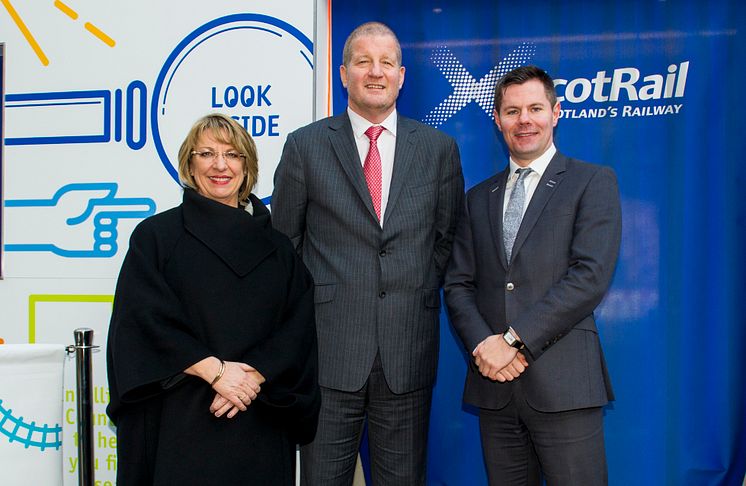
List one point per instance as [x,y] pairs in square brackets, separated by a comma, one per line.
[239,239]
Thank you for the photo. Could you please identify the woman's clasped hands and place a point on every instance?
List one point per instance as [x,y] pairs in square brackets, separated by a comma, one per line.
[239,385]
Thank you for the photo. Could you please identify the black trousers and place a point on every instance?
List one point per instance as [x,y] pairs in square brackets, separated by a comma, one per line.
[521,445]
[397,435]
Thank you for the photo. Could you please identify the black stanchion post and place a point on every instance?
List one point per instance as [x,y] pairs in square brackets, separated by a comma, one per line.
[84,376]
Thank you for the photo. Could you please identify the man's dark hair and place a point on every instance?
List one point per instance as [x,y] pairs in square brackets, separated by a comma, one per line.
[521,75]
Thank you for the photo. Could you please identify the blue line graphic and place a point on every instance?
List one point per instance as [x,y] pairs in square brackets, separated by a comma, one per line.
[173,73]
[118,115]
[105,219]
[310,63]
[59,104]
[28,433]
[58,99]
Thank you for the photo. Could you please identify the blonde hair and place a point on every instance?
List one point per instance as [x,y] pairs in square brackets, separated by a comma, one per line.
[225,130]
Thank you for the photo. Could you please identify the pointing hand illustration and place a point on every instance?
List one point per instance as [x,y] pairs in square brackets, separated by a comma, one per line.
[84,222]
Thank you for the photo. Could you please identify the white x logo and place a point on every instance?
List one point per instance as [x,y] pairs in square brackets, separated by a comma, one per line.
[467,89]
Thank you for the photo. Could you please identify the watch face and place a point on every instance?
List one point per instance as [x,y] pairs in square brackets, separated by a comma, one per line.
[509,338]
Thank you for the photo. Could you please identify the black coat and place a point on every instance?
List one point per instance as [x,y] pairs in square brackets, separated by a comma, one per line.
[204,279]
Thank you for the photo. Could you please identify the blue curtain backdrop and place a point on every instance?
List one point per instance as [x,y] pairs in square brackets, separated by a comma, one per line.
[653,89]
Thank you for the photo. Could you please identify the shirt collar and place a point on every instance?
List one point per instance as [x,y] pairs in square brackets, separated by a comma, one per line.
[539,165]
[360,124]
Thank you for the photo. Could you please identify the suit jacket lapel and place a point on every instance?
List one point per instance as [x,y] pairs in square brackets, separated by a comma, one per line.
[343,143]
[544,191]
[496,198]
[403,154]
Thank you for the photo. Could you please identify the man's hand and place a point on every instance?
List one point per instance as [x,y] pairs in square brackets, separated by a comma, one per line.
[497,360]
[513,370]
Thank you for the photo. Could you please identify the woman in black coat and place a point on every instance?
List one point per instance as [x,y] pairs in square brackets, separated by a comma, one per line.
[212,345]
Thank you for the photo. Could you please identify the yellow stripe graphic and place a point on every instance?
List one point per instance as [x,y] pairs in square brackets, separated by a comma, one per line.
[98,33]
[26,33]
[66,10]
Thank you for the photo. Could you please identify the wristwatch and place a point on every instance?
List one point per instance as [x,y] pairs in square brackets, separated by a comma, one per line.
[512,341]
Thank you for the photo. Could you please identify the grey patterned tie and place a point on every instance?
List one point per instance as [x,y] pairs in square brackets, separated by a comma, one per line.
[514,212]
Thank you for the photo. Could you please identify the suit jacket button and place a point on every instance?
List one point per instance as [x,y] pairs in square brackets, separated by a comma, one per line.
[382,294]
[509,286]
[382,253]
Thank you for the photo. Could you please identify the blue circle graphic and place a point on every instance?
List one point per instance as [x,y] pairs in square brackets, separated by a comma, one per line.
[186,43]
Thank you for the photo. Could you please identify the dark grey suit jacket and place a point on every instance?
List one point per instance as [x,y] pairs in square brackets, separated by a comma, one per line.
[563,261]
[377,289]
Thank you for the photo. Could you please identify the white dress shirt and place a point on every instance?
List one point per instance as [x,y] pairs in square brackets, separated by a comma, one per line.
[531,180]
[386,145]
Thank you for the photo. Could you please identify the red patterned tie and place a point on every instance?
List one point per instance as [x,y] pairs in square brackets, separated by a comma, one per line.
[372,168]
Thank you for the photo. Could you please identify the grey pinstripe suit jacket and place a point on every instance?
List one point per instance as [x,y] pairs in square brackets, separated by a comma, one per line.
[377,289]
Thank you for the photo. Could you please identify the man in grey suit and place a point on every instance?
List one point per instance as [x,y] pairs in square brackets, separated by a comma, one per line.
[370,200]
[534,254]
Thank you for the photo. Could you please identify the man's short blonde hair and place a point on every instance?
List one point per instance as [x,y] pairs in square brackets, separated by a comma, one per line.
[368,28]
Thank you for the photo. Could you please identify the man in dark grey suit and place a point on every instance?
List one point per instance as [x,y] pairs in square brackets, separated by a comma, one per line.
[370,200]
[534,254]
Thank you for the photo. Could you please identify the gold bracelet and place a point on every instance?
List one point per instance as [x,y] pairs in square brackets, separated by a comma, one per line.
[220,373]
